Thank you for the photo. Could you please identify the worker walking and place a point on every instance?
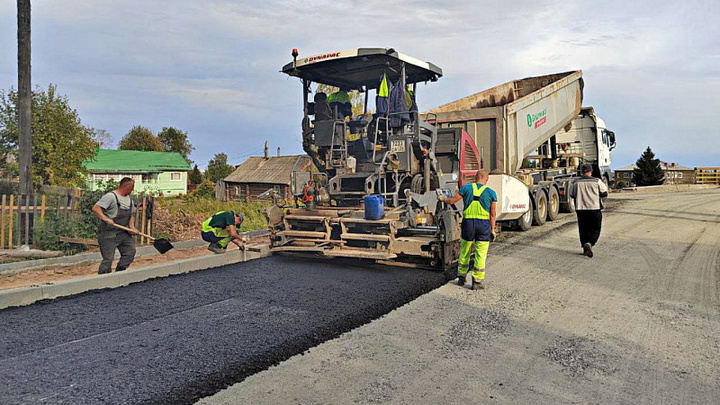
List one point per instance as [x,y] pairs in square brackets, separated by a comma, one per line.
[478,227]
[221,229]
[588,193]
[116,207]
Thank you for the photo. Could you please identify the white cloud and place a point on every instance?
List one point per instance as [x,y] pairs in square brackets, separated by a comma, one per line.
[651,68]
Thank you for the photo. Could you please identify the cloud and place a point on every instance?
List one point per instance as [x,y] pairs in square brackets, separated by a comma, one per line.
[651,68]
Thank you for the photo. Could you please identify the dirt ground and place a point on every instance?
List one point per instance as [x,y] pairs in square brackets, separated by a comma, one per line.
[638,323]
[58,273]
[34,277]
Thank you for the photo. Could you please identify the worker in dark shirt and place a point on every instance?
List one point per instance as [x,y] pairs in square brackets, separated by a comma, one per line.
[221,229]
[588,193]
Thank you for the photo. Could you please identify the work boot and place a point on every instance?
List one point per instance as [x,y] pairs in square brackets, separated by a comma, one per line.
[461,280]
[216,248]
[478,285]
[587,250]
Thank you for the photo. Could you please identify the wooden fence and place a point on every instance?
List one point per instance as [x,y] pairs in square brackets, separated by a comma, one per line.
[20,215]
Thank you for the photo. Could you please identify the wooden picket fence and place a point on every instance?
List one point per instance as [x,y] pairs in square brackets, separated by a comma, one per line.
[20,215]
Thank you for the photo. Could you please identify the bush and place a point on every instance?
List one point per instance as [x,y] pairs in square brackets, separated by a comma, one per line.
[620,185]
[83,225]
[206,189]
[48,233]
[205,207]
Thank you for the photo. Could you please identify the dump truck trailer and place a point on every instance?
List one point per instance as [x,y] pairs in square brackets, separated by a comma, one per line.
[532,134]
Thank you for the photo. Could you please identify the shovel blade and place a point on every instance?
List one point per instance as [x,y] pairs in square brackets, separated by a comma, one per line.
[162,245]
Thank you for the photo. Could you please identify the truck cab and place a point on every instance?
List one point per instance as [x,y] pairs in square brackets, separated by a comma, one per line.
[588,141]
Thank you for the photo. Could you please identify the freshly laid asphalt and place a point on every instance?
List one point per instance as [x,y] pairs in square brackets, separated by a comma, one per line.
[178,339]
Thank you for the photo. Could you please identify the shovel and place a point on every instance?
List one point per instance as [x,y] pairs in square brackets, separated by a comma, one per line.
[161,244]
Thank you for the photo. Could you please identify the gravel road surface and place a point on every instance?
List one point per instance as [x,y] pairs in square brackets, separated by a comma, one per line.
[639,323]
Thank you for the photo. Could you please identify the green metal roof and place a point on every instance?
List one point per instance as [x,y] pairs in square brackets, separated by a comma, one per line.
[135,161]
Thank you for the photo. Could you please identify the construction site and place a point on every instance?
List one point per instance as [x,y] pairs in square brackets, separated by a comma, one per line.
[354,293]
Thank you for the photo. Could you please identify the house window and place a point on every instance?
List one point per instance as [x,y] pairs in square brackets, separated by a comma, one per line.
[175,176]
[627,175]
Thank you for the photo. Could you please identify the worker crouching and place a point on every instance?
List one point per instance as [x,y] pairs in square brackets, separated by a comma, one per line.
[221,229]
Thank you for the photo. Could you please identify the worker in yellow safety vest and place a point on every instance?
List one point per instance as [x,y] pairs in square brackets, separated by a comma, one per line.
[478,227]
[221,229]
[340,102]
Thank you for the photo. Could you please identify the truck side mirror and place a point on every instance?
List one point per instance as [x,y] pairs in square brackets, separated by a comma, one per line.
[611,138]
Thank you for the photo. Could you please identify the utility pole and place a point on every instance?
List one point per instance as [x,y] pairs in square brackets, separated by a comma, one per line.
[24,97]
[25,119]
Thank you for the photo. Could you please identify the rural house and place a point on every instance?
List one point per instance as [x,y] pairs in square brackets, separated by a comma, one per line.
[259,174]
[160,173]
[674,174]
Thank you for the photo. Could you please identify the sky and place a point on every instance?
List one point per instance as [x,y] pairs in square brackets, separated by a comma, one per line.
[212,68]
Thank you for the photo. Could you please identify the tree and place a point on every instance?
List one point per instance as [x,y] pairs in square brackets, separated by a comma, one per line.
[61,143]
[103,139]
[195,176]
[175,140]
[357,99]
[218,168]
[140,138]
[648,171]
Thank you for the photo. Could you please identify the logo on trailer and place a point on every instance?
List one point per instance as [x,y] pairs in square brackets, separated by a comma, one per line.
[518,206]
[536,120]
[322,57]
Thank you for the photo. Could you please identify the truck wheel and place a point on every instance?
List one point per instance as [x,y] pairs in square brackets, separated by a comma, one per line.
[568,206]
[524,222]
[540,209]
[571,206]
[553,204]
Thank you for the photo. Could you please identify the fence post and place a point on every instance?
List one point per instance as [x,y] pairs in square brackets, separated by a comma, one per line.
[34,220]
[10,229]
[2,223]
[42,210]
[71,211]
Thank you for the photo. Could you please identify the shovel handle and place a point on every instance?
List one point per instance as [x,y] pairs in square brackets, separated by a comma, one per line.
[124,228]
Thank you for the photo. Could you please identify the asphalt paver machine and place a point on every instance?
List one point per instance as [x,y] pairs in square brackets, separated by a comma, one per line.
[388,155]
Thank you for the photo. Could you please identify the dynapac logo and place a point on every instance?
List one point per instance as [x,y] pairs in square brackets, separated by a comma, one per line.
[537,119]
[518,206]
[321,57]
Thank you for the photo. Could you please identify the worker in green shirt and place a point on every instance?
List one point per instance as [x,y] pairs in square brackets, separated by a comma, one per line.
[340,103]
[221,229]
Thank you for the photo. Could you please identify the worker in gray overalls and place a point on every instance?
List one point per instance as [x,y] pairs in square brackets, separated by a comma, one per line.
[116,207]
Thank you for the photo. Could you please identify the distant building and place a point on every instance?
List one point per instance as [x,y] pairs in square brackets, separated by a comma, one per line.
[707,175]
[259,174]
[674,174]
[162,173]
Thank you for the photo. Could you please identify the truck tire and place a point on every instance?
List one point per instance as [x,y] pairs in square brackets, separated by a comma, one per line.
[553,204]
[571,206]
[524,222]
[540,208]
[568,206]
